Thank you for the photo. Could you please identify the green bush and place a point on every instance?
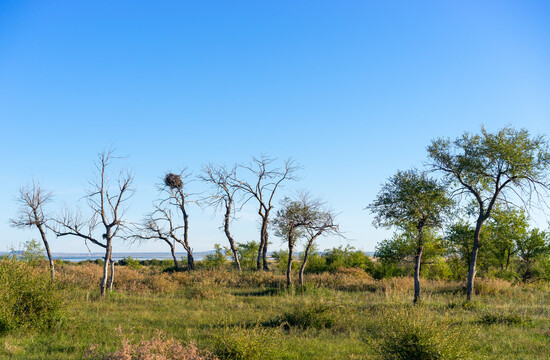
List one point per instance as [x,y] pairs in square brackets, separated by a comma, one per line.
[499,317]
[27,297]
[217,259]
[347,257]
[242,343]
[130,263]
[316,263]
[412,334]
[248,253]
[385,270]
[439,269]
[310,315]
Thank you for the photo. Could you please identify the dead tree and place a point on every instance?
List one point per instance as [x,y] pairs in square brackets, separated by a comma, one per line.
[159,226]
[31,213]
[263,188]
[176,197]
[324,225]
[107,212]
[303,217]
[223,198]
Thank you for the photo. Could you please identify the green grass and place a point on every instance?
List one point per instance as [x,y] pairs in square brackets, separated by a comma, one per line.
[252,316]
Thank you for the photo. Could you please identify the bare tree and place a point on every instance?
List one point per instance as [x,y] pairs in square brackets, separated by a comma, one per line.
[107,213]
[324,225]
[31,213]
[263,190]
[223,198]
[158,225]
[303,217]
[176,197]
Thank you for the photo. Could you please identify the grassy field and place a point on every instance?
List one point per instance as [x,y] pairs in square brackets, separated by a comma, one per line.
[340,315]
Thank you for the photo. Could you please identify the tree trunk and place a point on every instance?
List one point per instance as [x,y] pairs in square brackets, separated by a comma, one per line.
[112,277]
[229,237]
[473,260]
[304,263]
[508,258]
[264,254]
[261,262]
[190,260]
[417,262]
[103,284]
[48,252]
[289,265]
[173,251]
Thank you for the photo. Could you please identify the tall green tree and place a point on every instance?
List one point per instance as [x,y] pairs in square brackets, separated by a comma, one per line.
[410,198]
[503,165]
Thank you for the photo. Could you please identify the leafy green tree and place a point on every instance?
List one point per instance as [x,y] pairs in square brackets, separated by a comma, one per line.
[491,166]
[458,242]
[409,198]
[533,247]
[504,230]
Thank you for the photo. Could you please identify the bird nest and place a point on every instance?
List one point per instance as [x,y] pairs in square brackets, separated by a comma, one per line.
[173,181]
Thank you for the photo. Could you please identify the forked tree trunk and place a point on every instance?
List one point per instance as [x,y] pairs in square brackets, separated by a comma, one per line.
[470,291]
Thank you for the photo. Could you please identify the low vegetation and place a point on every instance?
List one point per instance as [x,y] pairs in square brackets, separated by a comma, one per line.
[216,312]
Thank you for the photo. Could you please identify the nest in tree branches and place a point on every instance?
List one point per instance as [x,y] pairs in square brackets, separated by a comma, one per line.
[173,181]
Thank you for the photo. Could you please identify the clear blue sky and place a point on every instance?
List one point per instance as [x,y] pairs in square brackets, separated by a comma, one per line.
[351,90]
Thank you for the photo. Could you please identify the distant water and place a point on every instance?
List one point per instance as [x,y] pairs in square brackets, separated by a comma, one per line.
[76,257]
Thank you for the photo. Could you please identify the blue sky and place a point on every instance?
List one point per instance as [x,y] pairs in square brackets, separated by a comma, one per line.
[353,91]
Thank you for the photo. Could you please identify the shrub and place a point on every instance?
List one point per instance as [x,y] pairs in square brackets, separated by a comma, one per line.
[248,253]
[491,286]
[439,269]
[31,252]
[316,315]
[316,263]
[217,259]
[347,257]
[130,263]
[241,343]
[413,334]
[159,347]
[499,317]
[27,297]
